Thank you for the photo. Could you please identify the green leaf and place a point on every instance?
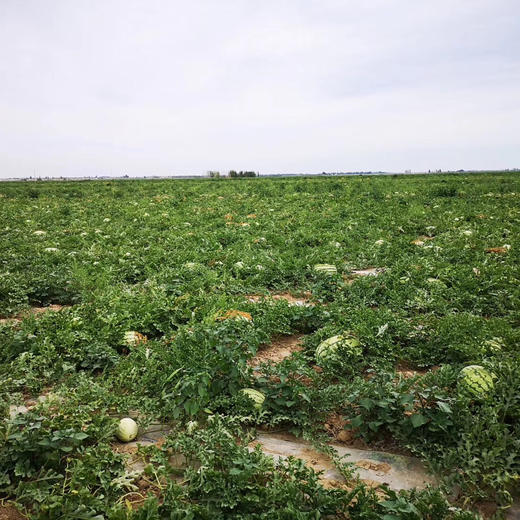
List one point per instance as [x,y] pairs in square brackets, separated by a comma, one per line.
[444,407]
[418,420]
[366,403]
[357,421]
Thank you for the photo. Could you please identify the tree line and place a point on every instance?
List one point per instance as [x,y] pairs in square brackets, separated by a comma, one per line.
[233,174]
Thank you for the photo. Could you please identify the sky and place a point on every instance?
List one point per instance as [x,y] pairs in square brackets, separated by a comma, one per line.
[164,87]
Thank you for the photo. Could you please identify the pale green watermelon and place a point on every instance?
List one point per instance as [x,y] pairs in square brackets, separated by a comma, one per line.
[257,397]
[475,381]
[329,350]
[127,430]
[328,269]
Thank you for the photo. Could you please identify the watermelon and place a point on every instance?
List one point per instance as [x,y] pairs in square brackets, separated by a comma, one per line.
[327,269]
[127,430]
[133,338]
[494,345]
[329,350]
[192,426]
[257,397]
[475,381]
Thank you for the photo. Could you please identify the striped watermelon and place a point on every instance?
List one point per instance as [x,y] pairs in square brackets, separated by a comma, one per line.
[494,344]
[329,350]
[257,397]
[327,269]
[475,381]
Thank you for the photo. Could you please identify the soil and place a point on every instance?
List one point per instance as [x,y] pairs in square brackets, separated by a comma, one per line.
[497,250]
[32,312]
[312,458]
[316,460]
[234,314]
[30,401]
[10,513]
[9,321]
[322,463]
[381,467]
[129,449]
[137,498]
[408,371]
[35,311]
[389,445]
[371,483]
[336,427]
[486,509]
[288,297]
[420,240]
[280,348]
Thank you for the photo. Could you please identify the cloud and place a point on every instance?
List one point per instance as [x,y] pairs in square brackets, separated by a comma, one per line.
[166,87]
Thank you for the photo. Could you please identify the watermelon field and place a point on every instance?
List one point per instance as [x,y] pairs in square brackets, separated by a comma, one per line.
[377,314]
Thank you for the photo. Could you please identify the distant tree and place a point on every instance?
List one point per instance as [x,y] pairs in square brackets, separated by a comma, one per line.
[234,174]
[213,174]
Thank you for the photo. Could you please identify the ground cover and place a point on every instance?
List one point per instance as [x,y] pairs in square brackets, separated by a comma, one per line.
[218,279]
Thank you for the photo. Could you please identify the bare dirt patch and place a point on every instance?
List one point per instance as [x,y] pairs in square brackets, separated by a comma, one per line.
[128,449]
[380,467]
[32,312]
[407,371]
[318,461]
[36,311]
[497,250]
[421,240]
[408,374]
[30,402]
[9,321]
[146,488]
[303,300]
[315,459]
[337,427]
[281,347]
[234,314]
[397,471]
[8,512]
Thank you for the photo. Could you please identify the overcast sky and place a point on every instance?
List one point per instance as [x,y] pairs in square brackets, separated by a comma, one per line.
[108,87]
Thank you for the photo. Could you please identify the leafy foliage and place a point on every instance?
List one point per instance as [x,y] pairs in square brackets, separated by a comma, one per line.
[183,262]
